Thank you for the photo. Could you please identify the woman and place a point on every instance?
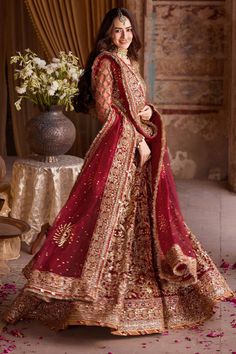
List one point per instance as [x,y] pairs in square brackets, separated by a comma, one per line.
[119,253]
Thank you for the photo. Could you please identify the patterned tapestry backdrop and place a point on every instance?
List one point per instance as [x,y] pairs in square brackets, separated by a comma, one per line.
[184,64]
[189,67]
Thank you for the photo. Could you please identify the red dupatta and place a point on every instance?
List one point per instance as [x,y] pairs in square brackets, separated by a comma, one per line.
[71,262]
[176,258]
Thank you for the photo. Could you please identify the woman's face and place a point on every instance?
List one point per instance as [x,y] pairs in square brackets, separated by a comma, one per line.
[121,33]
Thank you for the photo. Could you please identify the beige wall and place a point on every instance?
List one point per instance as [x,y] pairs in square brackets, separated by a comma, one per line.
[185,61]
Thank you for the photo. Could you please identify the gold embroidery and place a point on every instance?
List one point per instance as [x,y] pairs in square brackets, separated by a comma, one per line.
[63,234]
[176,266]
[121,287]
[111,207]
[131,298]
[135,95]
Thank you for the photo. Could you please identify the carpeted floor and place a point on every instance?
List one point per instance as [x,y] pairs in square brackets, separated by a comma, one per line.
[210,211]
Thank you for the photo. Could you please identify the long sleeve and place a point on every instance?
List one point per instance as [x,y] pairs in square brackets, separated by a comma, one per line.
[102,84]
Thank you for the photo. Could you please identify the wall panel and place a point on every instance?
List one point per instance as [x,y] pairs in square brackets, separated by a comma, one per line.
[184,65]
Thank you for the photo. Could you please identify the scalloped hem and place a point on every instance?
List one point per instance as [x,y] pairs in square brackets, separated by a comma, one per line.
[119,331]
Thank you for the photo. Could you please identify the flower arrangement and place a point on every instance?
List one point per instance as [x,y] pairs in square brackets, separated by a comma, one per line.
[45,84]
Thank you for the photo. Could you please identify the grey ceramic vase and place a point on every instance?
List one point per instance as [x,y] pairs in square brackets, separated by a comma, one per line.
[50,134]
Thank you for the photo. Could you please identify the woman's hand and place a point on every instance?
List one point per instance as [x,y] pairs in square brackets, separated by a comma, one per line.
[145,113]
[144,152]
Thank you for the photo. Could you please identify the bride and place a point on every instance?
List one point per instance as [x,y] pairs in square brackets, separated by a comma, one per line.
[119,253]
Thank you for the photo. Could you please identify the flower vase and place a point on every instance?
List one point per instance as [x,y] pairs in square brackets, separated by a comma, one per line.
[50,134]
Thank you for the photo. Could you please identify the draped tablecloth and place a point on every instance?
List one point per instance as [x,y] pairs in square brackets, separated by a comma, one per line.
[40,189]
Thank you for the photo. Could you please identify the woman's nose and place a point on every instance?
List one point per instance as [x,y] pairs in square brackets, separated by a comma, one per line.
[123,34]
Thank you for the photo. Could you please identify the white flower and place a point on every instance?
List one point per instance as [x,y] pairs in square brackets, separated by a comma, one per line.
[53,88]
[49,69]
[54,85]
[54,66]
[55,60]
[51,92]
[18,104]
[72,71]
[27,72]
[47,84]
[41,63]
[75,77]
[20,90]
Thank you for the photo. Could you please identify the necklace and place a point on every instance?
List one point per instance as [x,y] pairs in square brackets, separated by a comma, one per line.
[122,52]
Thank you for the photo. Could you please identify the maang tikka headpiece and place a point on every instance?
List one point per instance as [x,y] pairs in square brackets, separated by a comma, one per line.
[122,18]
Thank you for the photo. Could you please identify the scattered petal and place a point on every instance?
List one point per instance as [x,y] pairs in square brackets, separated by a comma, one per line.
[233,324]
[224,265]
[232,300]
[6,290]
[189,339]
[9,349]
[16,333]
[214,334]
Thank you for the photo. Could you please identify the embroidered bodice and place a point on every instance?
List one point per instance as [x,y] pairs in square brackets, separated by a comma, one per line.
[119,86]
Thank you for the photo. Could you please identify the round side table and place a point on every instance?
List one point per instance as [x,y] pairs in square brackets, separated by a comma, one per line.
[40,189]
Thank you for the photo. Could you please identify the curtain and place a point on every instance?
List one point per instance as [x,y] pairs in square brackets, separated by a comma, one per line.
[3,80]
[21,37]
[71,25]
[16,34]
[68,24]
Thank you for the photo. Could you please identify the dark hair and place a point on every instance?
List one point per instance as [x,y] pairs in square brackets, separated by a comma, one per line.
[84,99]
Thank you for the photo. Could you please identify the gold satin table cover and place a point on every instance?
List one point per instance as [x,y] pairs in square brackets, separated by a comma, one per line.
[40,189]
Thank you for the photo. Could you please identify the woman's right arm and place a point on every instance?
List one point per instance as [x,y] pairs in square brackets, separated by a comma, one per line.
[102,86]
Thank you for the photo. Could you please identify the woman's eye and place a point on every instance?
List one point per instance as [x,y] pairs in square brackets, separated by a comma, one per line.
[129,30]
[117,31]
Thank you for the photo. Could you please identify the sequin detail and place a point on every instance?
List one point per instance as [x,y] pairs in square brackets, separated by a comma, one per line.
[127,282]
[63,234]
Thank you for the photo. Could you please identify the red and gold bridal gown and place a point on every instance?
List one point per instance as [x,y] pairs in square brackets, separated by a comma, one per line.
[119,253]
